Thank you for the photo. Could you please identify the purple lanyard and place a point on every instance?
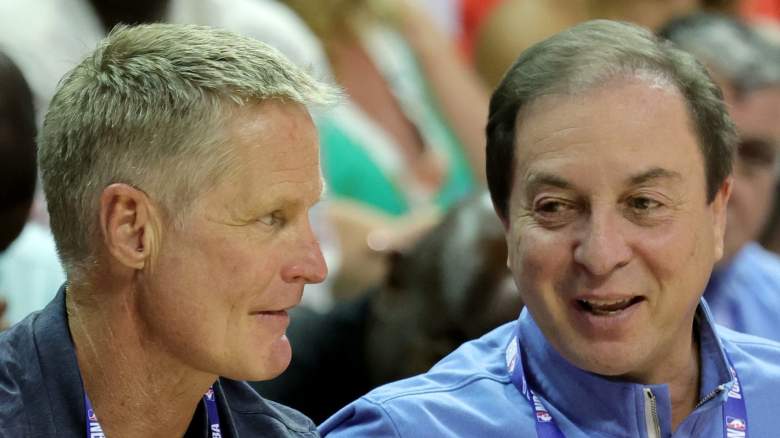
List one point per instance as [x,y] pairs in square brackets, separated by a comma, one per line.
[212,415]
[734,412]
[545,425]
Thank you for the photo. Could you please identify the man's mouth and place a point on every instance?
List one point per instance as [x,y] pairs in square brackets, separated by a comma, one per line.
[271,312]
[604,307]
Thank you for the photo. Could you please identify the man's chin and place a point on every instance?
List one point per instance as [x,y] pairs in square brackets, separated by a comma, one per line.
[608,359]
[269,365]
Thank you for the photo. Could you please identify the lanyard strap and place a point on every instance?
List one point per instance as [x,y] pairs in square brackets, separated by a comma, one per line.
[735,422]
[212,416]
[545,425]
[734,412]
[93,427]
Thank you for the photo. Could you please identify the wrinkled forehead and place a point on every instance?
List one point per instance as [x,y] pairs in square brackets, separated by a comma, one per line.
[635,124]
[590,81]
[588,101]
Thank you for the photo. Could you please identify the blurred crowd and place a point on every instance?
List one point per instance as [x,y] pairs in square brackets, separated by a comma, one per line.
[416,255]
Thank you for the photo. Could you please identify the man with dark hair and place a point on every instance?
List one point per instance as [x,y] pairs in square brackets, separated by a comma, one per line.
[744,291]
[608,160]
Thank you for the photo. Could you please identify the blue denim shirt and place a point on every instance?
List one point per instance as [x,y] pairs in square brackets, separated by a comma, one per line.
[42,395]
[744,295]
[470,394]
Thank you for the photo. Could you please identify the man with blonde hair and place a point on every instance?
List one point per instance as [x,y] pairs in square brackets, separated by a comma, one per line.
[179,165]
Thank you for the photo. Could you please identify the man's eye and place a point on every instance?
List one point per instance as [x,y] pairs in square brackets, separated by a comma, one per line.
[642,203]
[274,219]
[554,208]
[554,212]
[551,207]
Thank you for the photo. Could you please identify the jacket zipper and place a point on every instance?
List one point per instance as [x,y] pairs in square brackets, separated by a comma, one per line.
[651,415]
[711,395]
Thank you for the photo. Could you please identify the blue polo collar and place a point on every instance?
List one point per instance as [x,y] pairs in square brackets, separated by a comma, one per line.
[579,400]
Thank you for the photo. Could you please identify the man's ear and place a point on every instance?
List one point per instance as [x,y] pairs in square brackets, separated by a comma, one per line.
[719,206]
[127,224]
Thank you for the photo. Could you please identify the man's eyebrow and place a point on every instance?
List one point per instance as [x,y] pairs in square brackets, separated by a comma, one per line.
[536,180]
[653,174]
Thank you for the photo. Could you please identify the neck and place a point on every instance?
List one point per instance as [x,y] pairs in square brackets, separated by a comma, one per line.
[136,388]
[681,372]
[684,387]
[685,383]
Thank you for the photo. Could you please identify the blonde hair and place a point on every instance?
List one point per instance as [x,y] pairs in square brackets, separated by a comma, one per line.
[146,108]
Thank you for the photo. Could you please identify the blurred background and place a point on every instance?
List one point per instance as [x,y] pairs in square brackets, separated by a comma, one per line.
[417,257]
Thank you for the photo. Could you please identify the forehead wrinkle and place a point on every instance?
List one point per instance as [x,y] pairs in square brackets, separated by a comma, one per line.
[283,163]
[293,192]
[542,140]
[527,123]
[527,126]
[532,162]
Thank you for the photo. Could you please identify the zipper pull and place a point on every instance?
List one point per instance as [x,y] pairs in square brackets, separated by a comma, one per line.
[652,423]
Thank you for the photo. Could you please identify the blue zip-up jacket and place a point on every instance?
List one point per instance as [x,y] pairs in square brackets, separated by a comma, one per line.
[744,294]
[470,393]
[41,392]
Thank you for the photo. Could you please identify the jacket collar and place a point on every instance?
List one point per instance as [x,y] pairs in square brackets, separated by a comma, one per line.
[240,408]
[59,367]
[61,375]
[581,400]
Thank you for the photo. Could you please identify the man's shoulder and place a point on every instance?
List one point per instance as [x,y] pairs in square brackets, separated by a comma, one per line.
[756,347]
[17,343]
[470,364]
[759,357]
[18,365]
[252,413]
[757,362]
[460,396]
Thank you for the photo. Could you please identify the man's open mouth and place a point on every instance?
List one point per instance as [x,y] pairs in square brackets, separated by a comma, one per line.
[607,307]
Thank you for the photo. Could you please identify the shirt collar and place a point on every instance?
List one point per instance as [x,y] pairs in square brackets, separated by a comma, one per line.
[591,402]
[58,358]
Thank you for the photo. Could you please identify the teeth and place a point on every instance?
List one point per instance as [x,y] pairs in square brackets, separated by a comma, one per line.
[605,307]
[603,303]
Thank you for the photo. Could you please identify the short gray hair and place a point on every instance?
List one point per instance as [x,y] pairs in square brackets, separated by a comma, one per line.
[147,108]
[588,55]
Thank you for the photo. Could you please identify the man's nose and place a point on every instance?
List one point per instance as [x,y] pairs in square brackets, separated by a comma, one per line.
[602,246]
[309,265]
